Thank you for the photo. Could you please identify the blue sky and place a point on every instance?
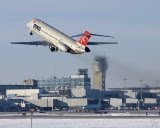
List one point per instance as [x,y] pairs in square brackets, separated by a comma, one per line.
[135,24]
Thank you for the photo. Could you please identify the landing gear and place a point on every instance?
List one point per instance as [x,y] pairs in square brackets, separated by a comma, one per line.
[53,49]
[30,33]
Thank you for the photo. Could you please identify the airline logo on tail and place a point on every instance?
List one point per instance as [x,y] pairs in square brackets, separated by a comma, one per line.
[85,38]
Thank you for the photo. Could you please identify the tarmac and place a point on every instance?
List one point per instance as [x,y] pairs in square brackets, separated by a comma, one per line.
[115,114]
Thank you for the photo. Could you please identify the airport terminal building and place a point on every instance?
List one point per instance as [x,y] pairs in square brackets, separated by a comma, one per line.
[55,84]
[3,88]
[75,91]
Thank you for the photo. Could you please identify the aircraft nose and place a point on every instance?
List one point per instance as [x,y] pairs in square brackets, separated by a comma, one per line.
[28,25]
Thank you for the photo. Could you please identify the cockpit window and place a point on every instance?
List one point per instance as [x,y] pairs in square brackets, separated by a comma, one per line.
[37,27]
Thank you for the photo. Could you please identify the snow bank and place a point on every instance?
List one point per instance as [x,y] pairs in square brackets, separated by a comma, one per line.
[80,123]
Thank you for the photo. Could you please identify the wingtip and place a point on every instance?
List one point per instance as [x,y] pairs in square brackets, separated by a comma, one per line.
[12,43]
[115,42]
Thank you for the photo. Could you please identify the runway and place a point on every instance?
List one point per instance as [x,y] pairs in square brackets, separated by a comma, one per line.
[71,119]
[80,115]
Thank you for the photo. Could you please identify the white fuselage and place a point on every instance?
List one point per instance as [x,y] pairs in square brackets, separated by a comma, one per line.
[55,38]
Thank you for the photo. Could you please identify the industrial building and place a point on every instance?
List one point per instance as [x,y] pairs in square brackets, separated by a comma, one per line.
[3,88]
[80,97]
[22,93]
[76,92]
[55,84]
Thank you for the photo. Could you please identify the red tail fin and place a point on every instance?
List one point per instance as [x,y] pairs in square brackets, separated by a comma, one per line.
[85,38]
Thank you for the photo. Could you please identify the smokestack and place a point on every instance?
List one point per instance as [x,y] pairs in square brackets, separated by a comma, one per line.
[100,66]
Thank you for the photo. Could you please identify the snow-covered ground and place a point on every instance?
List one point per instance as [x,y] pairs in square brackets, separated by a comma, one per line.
[80,123]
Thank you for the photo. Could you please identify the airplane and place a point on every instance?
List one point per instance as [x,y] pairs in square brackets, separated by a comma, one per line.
[57,40]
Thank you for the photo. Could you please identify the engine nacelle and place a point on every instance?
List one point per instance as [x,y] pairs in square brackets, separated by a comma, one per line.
[87,49]
[62,47]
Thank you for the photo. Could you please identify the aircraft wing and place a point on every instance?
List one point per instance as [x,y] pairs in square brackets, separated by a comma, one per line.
[44,43]
[100,43]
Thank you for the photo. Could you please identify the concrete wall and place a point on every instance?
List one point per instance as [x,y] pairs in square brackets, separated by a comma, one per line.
[130,93]
[24,93]
[61,98]
[97,76]
[76,102]
[78,92]
[131,100]
[42,102]
[72,102]
[1,96]
[150,100]
[116,102]
[154,91]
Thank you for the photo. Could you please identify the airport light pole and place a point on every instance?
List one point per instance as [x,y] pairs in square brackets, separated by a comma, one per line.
[157,83]
[31,120]
[124,79]
[141,82]
[31,111]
